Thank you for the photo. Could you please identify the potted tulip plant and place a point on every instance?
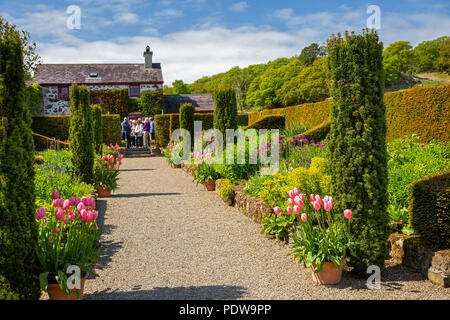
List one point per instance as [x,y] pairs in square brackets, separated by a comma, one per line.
[321,236]
[66,242]
[106,174]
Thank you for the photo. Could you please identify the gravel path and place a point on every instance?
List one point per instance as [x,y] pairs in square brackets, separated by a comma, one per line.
[165,238]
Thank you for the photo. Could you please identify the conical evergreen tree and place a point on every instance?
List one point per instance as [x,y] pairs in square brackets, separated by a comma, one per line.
[81,133]
[358,143]
[18,228]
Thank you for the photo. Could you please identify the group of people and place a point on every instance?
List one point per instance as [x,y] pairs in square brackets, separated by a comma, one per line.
[137,134]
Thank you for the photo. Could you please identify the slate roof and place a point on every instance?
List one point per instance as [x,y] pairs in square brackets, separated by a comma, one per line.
[55,74]
[202,102]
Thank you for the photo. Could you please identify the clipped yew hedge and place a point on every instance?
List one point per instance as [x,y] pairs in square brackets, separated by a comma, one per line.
[162,129]
[57,127]
[429,209]
[423,111]
[268,122]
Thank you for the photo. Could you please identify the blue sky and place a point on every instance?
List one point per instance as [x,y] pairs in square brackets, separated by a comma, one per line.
[194,38]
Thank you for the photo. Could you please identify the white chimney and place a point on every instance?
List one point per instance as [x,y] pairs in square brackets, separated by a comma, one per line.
[148,55]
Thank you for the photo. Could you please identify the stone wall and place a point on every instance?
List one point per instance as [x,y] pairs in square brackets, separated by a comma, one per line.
[52,105]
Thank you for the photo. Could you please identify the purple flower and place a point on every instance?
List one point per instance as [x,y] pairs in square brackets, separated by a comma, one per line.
[421,145]
[50,176]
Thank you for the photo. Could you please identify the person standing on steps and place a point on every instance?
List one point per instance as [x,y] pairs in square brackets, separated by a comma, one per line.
[126,130]
[152,130]
[138,133]
[146,131]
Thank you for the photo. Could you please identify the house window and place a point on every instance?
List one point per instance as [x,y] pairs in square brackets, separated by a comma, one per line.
[63,92]
[135,91]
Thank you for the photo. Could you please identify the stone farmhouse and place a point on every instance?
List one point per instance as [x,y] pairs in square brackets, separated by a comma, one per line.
[56,79]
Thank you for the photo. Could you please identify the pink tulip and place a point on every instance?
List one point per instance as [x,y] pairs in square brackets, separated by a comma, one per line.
[298,201]
[59,214]
[312,197]
[80,207]
[83,214]
[66,205]
[277,210]
[56,203]
[93,203]
[291,201]
[61,202]
[348,213]
[316,205]
[318,198]
[297,209]
[304,217]
[328,205]
[56,230]
[40,213]
[55,194]
[71,215]
[89,216]
[83,200]
[302,197]
[72,201]
[291,194]
[95,213]
[66,221]
[296,191]
[289,209]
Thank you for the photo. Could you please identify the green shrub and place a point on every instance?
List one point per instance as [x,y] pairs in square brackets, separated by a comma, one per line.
[18,229]
[237,172]
[318,133]
[254,185]
[242,119]
[311,181]
[57,127]
[174,123]
[226,190]
[111,129]
[81,134]
[187,119]
[97,128]
[115,101]
[358,144]
[225,110]
[162,129]
[268,122]
[429,209]
[151,103]
[410,160]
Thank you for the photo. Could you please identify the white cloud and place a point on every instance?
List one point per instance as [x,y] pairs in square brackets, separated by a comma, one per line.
[168,13]
[127,17]
[239,6]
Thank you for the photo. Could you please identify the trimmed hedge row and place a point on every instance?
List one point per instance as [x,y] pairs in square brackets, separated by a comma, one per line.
[165,124]
[269,122]
[423,111]
[308,114]
[429,209]
[318,133]
[58,127]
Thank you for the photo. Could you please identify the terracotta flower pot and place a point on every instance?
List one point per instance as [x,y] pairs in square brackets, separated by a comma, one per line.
[55,292]
[210,185]
[103,192]
[328,275]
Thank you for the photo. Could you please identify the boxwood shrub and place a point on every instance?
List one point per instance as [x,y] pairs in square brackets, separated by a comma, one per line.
[429,209]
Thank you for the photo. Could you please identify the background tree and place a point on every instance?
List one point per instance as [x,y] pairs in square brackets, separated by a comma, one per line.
[311,53]
[97,128]
[444,56]
[30,58]
[151,103]
[19,269]
[310,85]
[426,55]
[179,87]
[357,145]
[397,58]
[80,133]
